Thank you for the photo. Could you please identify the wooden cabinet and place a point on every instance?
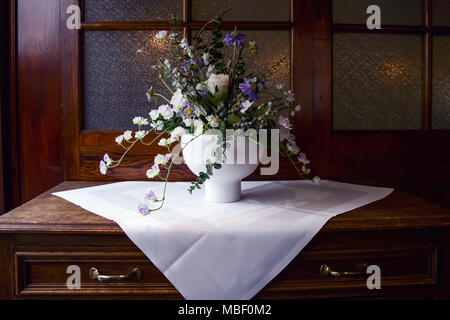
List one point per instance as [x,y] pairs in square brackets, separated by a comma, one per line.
[407,237]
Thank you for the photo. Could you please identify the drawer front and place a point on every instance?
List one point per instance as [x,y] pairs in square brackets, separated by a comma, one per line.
[46,274]
[404,265]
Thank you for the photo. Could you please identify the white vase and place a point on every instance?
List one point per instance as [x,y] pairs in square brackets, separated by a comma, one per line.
[238,162]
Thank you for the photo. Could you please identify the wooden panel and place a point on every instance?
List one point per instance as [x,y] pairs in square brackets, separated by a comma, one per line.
[39,85]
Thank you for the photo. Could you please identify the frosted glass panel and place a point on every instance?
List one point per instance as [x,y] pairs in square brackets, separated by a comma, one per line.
[393,12]
[242,10]
[441,83]
[377,81]
[132,10]
[273,46]
[116,77]
[441,13]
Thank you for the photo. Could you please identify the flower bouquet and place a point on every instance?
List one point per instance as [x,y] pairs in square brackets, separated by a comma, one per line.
[211,93]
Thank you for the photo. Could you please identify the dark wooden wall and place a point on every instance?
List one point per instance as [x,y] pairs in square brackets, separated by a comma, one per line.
[45,142]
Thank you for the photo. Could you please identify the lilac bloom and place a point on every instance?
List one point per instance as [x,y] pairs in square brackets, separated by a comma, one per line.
[235,38]
[250,89]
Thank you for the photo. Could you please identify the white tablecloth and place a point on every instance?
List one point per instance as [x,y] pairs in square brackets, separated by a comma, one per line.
[230,250]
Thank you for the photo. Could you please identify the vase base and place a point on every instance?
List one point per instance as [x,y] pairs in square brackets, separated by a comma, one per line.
[222,192]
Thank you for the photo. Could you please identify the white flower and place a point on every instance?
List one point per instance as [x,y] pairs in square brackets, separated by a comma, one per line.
[140,134]
[119,139]
[198,127]
[177,133]
[245,105]
[178,101]
[298,108]
[212,121]
[210,70]
[173,35]
[316,179]
[167,63]
[158,125]
[127,135]
[162,159]
[165,142]
[221,81]
[140,121]
[284,122]
[153,171]
[188,122]
[107,159]
[161,34]
[166,111]
[206,58]
[306,170]
[184,43]
[154,114]
[103,167]
[290,96]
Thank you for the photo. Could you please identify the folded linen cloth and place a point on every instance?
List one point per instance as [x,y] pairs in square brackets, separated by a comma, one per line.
[224,250]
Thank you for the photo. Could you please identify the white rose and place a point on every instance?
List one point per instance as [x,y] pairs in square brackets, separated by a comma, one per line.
[219,80]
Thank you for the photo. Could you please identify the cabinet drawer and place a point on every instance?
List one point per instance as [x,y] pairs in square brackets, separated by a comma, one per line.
[403,266]
[45,274]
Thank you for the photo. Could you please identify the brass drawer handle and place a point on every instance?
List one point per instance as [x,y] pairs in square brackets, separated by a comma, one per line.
[326,271]
[95,275]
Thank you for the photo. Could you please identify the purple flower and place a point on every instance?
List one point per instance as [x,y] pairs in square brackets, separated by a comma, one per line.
[249,88]
[302,158]
[150,196]
[143,209]
[188,111]
[235,38]
[192,64]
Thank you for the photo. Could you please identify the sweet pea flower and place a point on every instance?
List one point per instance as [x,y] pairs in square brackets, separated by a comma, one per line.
[140,134]
[150,197]
[246,104]
[161,34]
[162,159]
[188,122]
[284,122]
[290,96]
[302,158]
[292,147]
[166,111]
[178,100]
[165,142]
[107,159]
[153,171]
[103,167]
[143,209]
[212,121]
[158,125]
[127,135]
[177,133]
[119,139]
[279,86]
[198,127]
[154,114]
[206,58]
[316,179]
[306,170]
[140,121]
